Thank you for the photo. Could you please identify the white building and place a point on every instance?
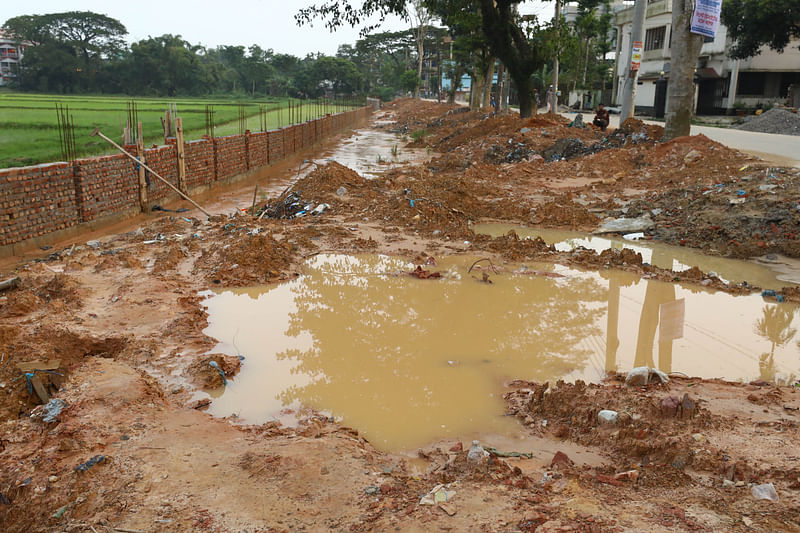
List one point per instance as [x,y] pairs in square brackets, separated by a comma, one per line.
[10,56]
[723,82]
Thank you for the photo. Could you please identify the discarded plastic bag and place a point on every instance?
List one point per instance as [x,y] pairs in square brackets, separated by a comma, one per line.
[765,492]
[438,494]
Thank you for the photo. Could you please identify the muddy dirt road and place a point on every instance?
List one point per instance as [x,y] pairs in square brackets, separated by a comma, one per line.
[324,361]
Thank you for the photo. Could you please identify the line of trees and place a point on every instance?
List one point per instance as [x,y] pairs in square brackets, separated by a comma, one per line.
[85,52]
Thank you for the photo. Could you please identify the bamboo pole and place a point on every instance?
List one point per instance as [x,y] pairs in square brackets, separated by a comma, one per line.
[181,153]
[141,171]
[97,132]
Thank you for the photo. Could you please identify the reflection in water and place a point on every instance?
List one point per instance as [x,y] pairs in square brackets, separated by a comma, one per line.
[775,326]
[675,258]
[408,361]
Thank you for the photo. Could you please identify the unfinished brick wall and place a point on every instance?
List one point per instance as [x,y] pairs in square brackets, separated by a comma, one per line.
[199,163]
[164,160]
[105,185]
[42,199]
[36,200]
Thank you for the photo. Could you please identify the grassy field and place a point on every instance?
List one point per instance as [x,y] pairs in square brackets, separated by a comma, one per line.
[29,126]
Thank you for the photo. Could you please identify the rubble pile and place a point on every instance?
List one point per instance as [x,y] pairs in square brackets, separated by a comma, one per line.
[776,120]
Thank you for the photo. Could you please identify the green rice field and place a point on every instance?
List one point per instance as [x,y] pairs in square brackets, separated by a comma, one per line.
[29,131]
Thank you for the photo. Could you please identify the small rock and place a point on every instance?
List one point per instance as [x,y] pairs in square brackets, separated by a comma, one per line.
[698,437]
[52,479]
[728,484]
[372,490]
[93,244]
[747,521]
[457,447]
[341,191]
[669,406]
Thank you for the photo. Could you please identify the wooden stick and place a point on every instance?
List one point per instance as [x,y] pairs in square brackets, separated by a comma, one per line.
[140,170]
[123,530]
[255,194]
[153,172]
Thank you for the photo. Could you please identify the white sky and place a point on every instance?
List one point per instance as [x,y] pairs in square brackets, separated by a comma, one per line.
[267,23]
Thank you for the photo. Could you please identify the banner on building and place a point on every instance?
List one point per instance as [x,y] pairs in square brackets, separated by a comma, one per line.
[636,55]
[705,20]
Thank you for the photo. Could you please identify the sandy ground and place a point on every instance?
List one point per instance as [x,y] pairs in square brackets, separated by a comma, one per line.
[132,450]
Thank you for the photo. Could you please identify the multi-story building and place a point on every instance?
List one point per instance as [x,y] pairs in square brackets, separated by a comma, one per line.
[10,55]
[722,83]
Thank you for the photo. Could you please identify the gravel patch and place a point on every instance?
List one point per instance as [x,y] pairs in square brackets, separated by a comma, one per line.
[773,121]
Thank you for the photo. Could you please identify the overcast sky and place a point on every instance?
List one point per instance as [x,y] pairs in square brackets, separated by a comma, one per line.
[267,23]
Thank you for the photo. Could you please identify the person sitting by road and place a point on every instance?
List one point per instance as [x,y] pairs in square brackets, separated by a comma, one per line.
[601,118]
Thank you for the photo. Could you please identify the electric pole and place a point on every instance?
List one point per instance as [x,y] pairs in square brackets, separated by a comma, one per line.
[554,96]
[629,90]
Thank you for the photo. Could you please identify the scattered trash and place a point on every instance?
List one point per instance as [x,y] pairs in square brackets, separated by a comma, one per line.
[644,375]
[606,416]
[765,491]
[438,494]
[321,208]
[524,130]
[626,225]
[498,453]
[476,452]
[10,283]
[93,244]
[372,490]
[448,508]
[83,467]
[51,410]
[164,209]
[633,236]
[221,372]
[769,293]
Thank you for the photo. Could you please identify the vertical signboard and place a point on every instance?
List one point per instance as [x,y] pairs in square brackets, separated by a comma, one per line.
[705,20]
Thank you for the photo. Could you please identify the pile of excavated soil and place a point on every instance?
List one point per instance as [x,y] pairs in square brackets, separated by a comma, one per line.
[776,120]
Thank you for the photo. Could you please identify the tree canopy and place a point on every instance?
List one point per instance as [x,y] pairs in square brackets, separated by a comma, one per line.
[756,23]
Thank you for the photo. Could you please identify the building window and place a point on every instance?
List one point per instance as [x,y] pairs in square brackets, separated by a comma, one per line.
[654,38]
[751,84]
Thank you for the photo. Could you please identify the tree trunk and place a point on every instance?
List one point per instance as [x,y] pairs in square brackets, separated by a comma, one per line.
[525,90]
[501,86]
[420,51]
[488,77]
[476,92]
[586,63]
[680,90]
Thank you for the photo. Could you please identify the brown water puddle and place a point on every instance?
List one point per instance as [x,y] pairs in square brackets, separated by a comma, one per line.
[772,274]
[408,362]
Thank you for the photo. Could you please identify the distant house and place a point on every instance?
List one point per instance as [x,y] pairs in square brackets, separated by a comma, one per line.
[11,54]
[722,82]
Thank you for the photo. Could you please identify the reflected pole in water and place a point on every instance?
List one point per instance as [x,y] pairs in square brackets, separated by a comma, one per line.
[657,293]
[612,336]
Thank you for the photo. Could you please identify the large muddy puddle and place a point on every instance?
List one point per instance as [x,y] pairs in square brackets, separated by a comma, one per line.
[408,361]
[770,273]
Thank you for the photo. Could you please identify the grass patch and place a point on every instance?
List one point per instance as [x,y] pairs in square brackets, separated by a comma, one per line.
[29,131]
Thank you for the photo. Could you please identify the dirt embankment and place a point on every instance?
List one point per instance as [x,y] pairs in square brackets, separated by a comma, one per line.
[120,324]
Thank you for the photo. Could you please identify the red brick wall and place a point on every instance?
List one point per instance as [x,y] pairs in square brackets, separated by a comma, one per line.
[38,200]
[257,147]
[35,201]
[199,162]
[231,156]
[106,185]
[164,160]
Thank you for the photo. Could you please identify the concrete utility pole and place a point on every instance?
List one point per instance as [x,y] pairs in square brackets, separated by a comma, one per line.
[554,96]
[629,90]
